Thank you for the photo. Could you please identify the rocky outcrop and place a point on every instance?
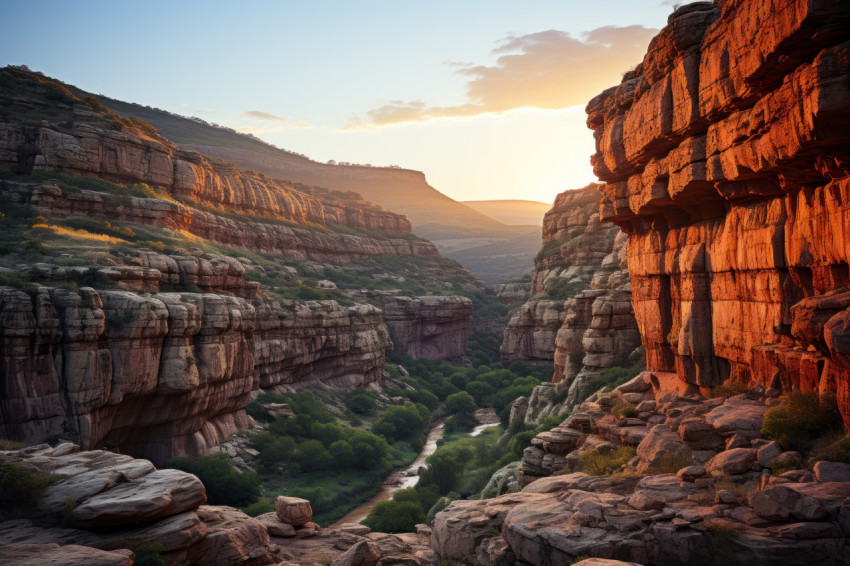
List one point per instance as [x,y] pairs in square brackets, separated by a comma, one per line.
[108,504]
[83,138]
[167,374]
[258,235]
[726,157]
[510,293]
[429,326]
[580,315]
[693,489]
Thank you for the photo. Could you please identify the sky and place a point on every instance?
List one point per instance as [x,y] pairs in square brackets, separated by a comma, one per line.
[485,96]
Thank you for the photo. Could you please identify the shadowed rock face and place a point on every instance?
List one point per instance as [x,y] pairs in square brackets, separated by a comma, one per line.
[590,326]
[167,373]
[432,327]
[726,156]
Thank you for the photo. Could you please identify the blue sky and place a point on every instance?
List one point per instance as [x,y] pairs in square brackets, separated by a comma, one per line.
[486,97]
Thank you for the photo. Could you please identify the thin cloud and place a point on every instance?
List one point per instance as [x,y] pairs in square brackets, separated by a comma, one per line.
[299,125]
[549,70]
[207,111]
[260,115]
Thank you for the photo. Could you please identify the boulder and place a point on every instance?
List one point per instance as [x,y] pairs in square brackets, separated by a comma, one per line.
[293,510]
[735,461]
[364,553]
[831,472]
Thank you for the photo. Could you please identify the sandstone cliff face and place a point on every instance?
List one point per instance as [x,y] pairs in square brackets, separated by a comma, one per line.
[432,327]
[590,325]
[726,157]
[258,236]
[167,373]
[90,147]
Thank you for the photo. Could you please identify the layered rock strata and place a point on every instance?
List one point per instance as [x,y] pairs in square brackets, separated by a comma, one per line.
[580,315]
[96,143]
[699,472]
[726,157]
[258,235]
[434,327]
[163,374]
[104,505]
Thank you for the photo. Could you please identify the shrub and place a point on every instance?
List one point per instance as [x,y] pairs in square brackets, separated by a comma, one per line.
[225,485]
[729,389]
[11,444]
[838,451]
[259,507]
[22,488]
[360,401]
[623,408]
[395,516]
[461,402]
[781,467]
[801,418]
[148,554]
[597,463]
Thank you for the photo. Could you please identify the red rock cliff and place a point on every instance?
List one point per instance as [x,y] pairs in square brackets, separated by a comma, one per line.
[727,158]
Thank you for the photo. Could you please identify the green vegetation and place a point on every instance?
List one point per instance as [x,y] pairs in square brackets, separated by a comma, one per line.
[615,376]
[225,485]
[21,489]
[837,451]
[602,463]
[395,516]
[729,389]
[800,419]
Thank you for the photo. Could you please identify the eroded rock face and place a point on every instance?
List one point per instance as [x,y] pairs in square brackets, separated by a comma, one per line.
[432,327]
[167,374]
[243,232]
[726,157]
[590,326]
[119,503]
[88,147]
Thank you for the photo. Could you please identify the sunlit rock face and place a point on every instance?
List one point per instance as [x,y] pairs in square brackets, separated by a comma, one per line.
[727,158]
[579,316]
[167,374]
[88,147]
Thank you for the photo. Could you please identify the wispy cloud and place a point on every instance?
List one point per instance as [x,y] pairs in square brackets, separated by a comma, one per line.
[206,111]
[295,125]
[549,69]
[260,115]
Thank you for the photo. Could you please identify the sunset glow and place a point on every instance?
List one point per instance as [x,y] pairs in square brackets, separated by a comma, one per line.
[486,98]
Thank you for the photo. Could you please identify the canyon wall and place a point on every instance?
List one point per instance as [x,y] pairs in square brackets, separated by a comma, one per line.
[89,145]
[727,158]
[434,327]
[257,235]
[579,315]
[167,373]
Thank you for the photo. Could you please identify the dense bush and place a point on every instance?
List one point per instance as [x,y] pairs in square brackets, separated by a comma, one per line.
[225,485]
[392,516]
[361,401]
[838,451]
[801,418]
[403,422]
[22,488]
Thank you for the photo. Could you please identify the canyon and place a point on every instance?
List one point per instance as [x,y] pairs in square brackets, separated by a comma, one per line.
[716,251]
[161,358]
[579,314]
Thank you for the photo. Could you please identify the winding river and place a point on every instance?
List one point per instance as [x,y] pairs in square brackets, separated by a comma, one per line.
[400,479]
[407,477]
